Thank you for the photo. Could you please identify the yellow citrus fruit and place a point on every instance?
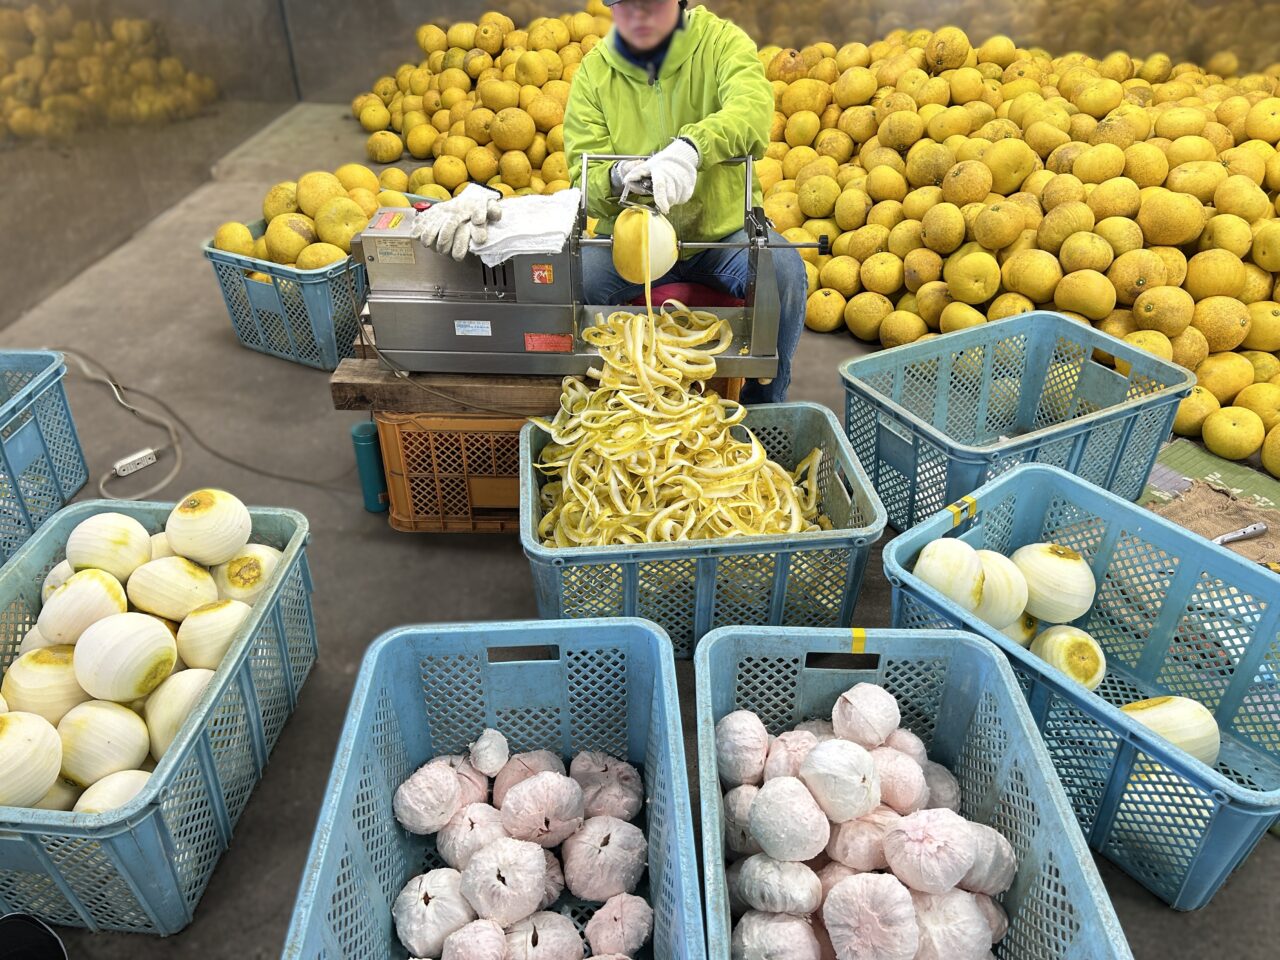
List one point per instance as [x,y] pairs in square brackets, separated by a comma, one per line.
[1225,375]
[234,238]
[1264,326]
[1193,410]
[1086,292]
[317,255]
[842,275]
[824,311]
[865,312]
[1233,433]
[1265,365]
[1150,341]
[901,327]
[366,200]
[1033,273]
[1224,321]
[1168,310]
[973,278]
[289,233]
[1271,452]
[1190,348]
[1264,400]
[385,146]
[959,316]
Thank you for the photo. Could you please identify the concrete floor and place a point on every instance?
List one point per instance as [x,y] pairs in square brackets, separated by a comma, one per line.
[150,169]
[151,312]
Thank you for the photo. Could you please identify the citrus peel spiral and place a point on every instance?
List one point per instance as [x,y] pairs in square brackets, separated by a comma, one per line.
[647,457]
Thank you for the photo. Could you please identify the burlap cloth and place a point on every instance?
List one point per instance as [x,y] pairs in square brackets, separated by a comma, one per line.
[1211,512]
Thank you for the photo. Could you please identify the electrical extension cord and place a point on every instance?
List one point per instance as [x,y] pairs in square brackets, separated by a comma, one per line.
[149,456]
[135,462]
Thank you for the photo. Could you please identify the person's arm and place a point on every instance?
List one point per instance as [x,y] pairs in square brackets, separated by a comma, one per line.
[741,125]
[585,131]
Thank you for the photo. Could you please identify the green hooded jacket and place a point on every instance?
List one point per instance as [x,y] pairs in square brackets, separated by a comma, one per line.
[711,88]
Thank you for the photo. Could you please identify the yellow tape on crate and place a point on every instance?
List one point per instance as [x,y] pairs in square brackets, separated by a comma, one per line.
[962,508]
[857,640]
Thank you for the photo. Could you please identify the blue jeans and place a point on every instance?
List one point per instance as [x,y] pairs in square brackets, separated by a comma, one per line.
[724,270]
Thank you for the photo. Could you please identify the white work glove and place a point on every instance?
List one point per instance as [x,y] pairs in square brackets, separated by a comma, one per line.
[453,226]
[618,174]
[673,171]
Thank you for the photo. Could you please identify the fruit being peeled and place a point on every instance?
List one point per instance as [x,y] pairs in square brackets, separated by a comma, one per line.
[43,682]
[644,244]
[60,574]
[206,634]
[112,792]
[100,738]
[1073,652]
[1060,583]
[954,569]
[1004,590]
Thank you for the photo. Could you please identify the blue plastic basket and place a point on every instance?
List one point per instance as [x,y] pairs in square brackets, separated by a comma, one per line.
[933,420]
[307,316]
[430,690]
[960,697]
[692,587]
[1176,615]
[144,867]
[41,464]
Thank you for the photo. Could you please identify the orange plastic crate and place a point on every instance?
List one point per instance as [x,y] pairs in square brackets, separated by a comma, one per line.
[451,473]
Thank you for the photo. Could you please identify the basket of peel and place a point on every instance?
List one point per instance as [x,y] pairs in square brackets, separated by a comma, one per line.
[646,496]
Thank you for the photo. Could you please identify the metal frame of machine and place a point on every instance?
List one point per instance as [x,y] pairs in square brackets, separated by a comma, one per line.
[431,313]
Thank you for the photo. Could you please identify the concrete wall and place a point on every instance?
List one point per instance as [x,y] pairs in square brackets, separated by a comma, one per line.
[66,204]
[340,47]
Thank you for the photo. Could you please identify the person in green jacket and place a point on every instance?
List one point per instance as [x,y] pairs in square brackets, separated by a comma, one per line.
[686,90]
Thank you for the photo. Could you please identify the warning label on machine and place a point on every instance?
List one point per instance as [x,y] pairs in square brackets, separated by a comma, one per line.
[394,251]
[389,220]
[548,343]
[543,273]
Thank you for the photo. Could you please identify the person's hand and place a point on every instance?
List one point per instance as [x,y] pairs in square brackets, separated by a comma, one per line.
[618,174]
[673,172]
[453,226]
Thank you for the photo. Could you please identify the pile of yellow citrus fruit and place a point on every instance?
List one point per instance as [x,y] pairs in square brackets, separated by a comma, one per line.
[1241,32]
[486,103]
[961,183]
[309,223]
[60,74]
[958,181]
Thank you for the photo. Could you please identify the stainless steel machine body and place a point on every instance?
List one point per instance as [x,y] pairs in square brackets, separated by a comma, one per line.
[433,314]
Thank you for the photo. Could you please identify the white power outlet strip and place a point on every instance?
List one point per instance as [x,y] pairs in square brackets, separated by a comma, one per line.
[135,462]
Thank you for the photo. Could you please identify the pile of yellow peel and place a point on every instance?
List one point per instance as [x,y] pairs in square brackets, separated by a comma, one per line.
[647,457]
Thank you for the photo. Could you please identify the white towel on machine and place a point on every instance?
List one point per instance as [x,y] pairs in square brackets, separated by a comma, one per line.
[532,224]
